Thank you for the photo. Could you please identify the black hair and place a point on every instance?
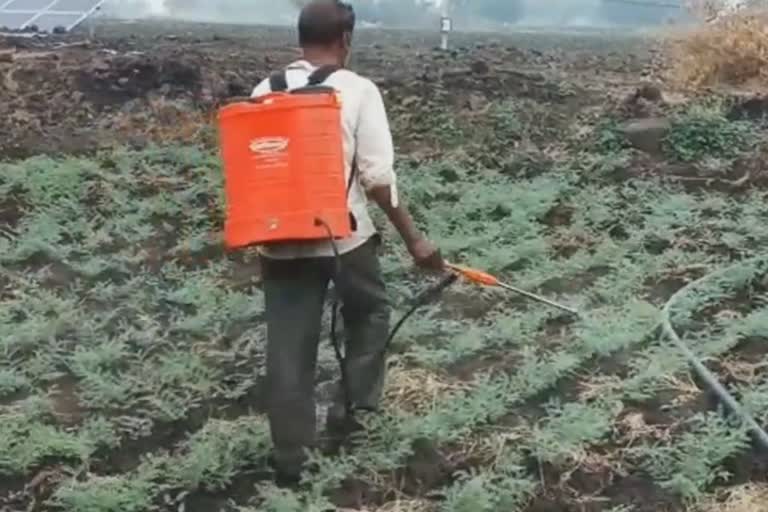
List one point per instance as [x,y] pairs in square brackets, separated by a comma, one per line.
[324,22]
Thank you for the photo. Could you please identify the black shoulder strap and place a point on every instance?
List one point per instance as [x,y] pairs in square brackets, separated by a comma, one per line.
[278,82]
[321,74]
[352,175]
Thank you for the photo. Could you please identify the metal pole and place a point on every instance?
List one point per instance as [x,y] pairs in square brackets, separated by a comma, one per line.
[538,298]
[443,28]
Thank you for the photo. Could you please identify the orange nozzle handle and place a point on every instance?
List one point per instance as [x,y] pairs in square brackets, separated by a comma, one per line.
[476,276]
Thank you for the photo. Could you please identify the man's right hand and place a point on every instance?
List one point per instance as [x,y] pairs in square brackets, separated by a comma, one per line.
[426,255]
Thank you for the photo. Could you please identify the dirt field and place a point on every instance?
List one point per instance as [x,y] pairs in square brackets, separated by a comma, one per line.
[131,345]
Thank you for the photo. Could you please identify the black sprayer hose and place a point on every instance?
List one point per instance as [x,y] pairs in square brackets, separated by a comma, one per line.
[348,405]
[421,300]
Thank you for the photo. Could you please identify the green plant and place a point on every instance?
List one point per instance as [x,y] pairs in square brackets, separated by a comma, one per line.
[608,139]
[26,442]
[690,465]
[707,132]
[215,454]
[108,493]
[12,381]
[502,487]
[569,429]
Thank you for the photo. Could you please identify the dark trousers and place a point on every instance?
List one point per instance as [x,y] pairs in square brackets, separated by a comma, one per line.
[295,292]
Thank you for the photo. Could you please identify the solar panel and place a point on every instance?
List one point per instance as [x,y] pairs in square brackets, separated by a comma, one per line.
[46,15]
[49,21]
[27,5]
[75,5]
[9,20]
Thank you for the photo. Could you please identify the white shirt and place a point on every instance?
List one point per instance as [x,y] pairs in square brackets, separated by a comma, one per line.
[366,136]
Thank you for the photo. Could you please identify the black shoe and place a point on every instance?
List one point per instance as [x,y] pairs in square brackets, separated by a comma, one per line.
[341,430]
[284,479]
[340,423]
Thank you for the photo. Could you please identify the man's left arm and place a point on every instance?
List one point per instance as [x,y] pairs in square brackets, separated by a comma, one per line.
[375,161]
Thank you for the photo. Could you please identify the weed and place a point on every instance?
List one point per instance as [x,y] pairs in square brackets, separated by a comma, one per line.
[504,487]
[24,443]
[608,138]
[215,454]
[706,132]
[569,429]
[108,493]
[689,465]
[12,381]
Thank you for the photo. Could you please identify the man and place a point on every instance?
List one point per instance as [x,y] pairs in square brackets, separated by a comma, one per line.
[296,276]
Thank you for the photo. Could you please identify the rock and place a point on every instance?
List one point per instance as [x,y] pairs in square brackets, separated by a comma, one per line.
[410,100]
[476,102]
[649,92]
[480,67]
[59,30]
[237,87]
[752,109]
[644,101]
[7,56]
[101,66]
[647,134]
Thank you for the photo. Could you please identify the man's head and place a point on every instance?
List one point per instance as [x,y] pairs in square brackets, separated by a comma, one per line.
[326,26]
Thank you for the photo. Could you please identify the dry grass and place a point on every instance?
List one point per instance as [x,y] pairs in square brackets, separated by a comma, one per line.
[598,386]
[399,506]
[407,506]
[633,427]
[745,498]
[417,389]
[168,121]
[744,371]
[731,50]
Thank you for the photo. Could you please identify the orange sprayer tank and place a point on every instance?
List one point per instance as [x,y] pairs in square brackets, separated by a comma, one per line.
[283,166]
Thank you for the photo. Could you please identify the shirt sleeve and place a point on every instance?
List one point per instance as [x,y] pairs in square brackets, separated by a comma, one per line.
[261,89]
[375,152]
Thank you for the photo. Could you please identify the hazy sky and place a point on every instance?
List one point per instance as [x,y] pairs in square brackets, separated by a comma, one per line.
[535,12]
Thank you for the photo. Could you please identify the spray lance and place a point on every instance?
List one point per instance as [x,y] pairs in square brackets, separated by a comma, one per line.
[474,276]
[485,279]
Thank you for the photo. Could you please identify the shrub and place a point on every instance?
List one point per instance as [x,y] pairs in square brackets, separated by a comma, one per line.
[707,132]
[730,50]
